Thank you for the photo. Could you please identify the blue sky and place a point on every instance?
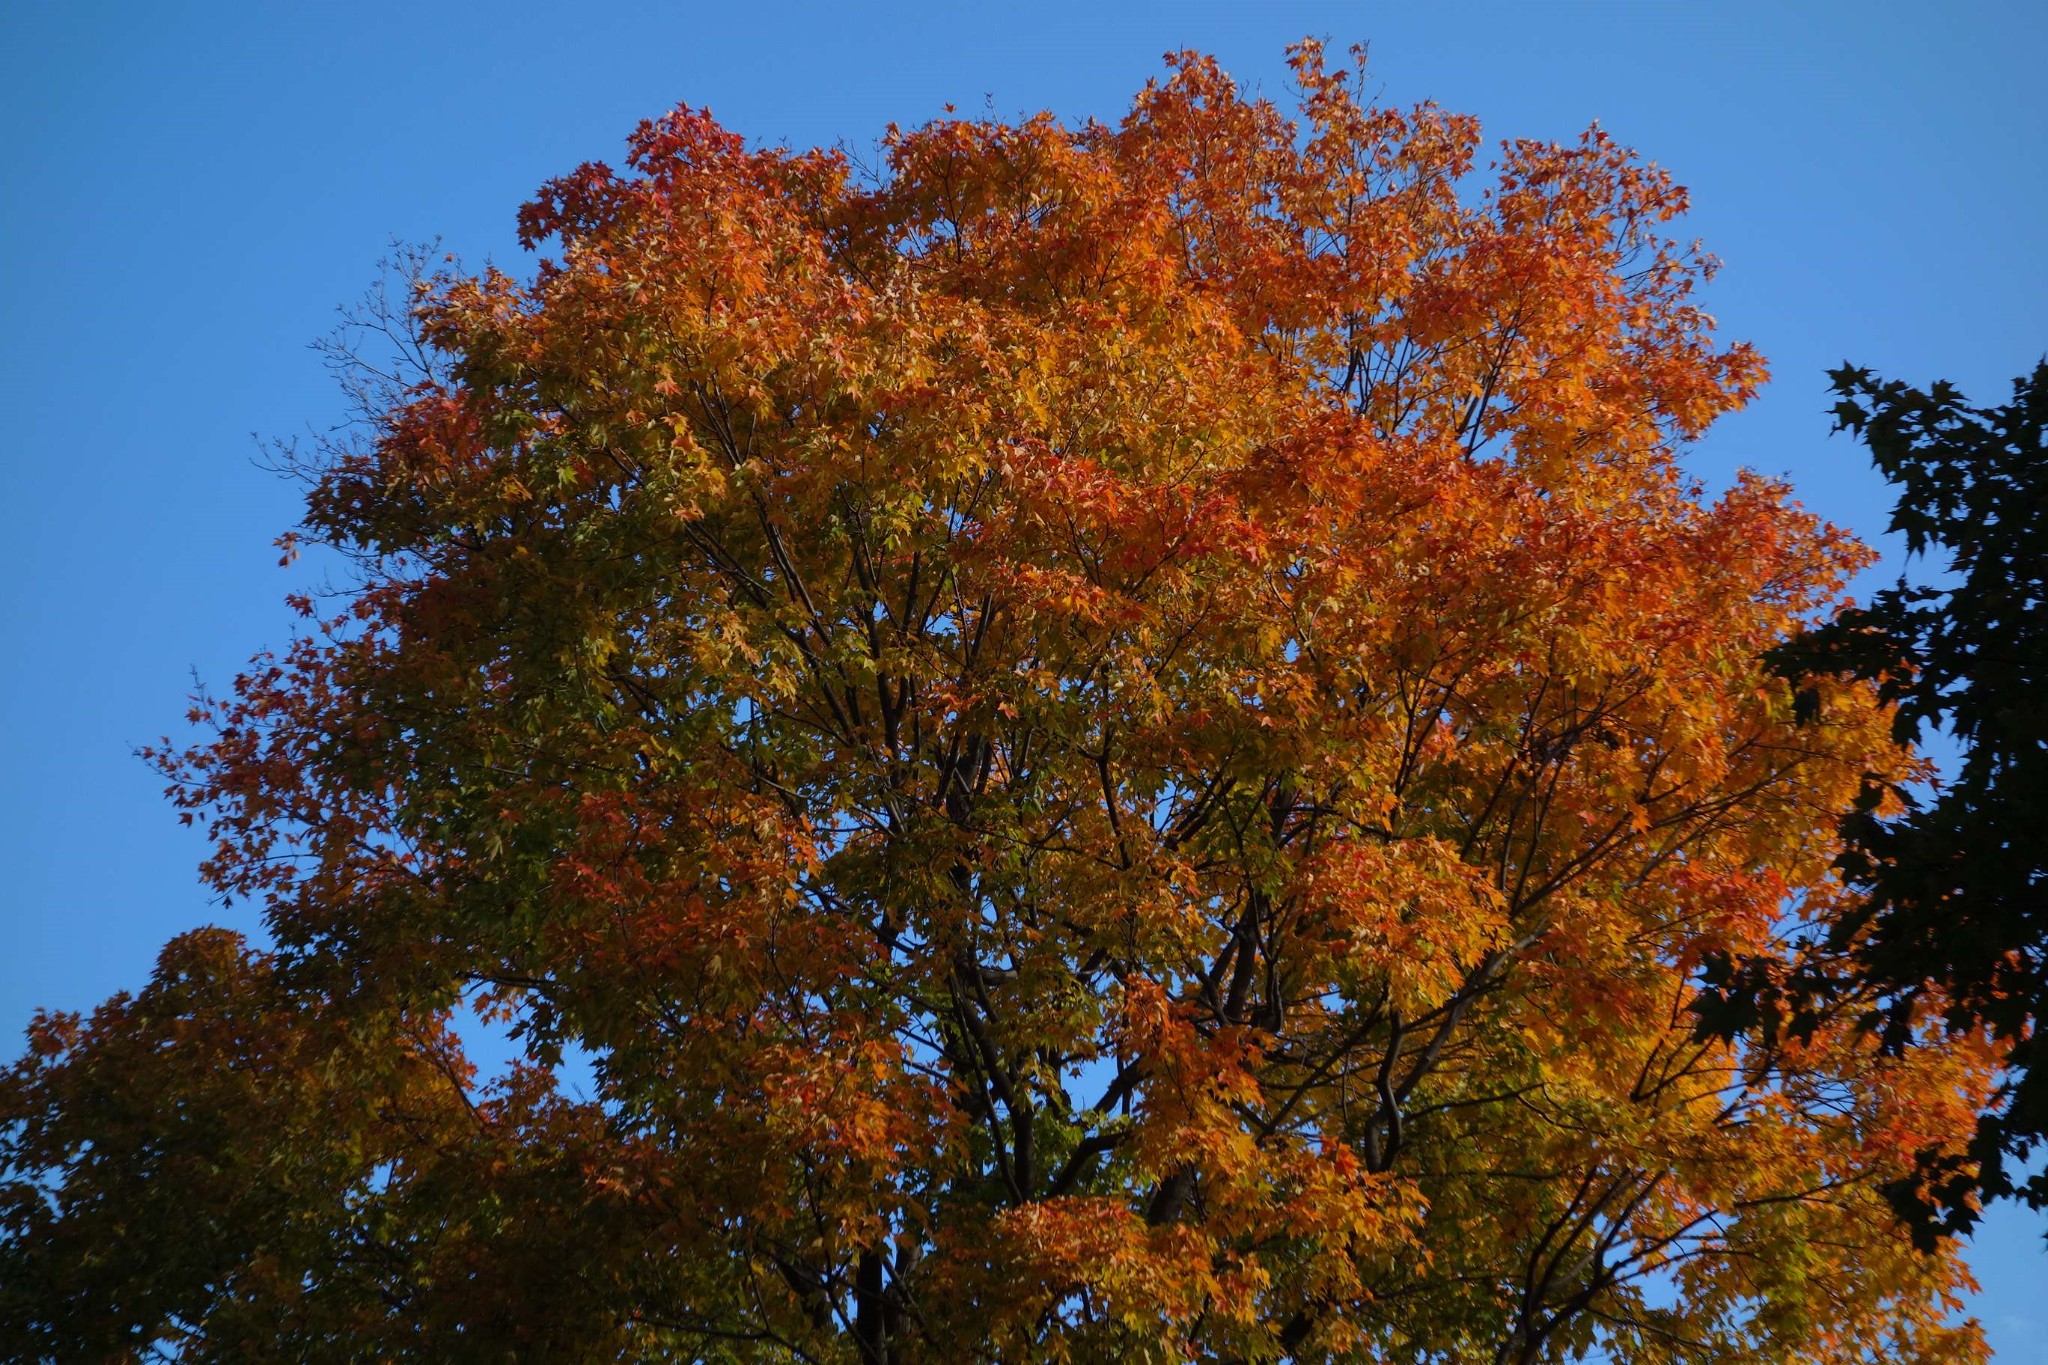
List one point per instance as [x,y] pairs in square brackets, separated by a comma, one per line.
[191,190]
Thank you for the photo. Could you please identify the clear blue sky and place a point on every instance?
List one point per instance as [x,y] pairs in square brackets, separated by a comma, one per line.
[190,190]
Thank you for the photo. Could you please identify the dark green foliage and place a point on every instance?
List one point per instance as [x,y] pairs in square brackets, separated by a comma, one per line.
[1955,911]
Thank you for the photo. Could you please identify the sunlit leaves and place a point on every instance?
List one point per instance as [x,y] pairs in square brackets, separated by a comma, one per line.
[1121,742]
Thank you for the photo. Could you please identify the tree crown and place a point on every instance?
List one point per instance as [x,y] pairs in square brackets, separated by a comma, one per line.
[1121,743]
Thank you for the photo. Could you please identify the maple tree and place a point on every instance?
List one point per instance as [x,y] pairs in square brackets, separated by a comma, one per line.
[1117,743]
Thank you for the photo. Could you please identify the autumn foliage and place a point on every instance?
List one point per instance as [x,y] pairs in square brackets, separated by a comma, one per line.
[1117,743]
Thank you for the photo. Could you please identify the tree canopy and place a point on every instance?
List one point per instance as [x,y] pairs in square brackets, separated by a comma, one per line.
[1117,743]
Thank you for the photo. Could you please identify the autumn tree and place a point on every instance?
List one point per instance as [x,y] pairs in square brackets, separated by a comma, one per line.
[1119,743]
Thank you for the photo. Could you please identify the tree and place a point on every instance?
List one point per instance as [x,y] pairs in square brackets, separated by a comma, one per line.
[1119,743]
[1951,917]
